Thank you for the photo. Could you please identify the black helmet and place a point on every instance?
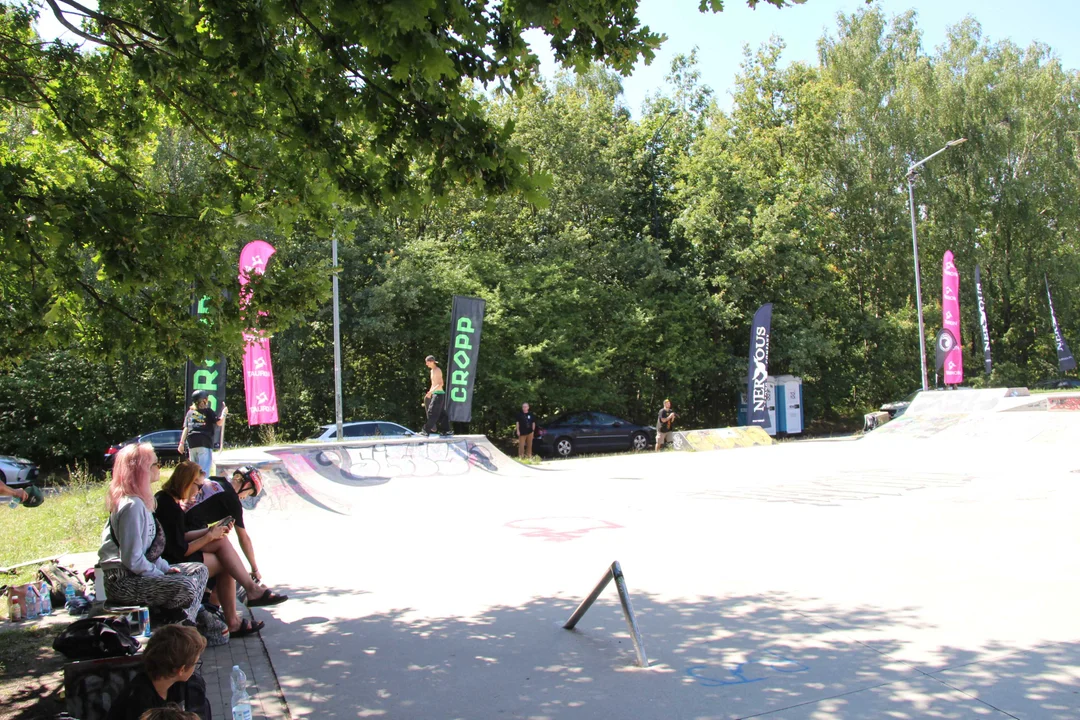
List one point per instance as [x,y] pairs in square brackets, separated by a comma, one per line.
[199,396]
[250,479]
[34,496]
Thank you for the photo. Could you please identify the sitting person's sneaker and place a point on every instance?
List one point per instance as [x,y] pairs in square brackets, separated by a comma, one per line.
[448,433]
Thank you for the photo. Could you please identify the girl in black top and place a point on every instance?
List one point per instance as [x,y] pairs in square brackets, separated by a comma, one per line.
[216,551]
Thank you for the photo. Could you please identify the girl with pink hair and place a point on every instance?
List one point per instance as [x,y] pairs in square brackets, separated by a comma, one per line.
[132,542]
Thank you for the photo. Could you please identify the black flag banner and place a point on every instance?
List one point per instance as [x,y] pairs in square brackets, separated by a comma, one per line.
[209,374]
[757,391]
[943,344]
[982,319]
[466,322]
[1066,361]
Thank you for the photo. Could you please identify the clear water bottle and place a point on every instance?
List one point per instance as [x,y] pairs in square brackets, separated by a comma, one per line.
[69,595]
[46,599]
[32,610]
[14,502]
[241,702]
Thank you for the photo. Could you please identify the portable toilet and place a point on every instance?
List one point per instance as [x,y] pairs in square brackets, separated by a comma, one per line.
[789,404]
[770,406]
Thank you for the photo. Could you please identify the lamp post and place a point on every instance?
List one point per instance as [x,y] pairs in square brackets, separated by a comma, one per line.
[911,175]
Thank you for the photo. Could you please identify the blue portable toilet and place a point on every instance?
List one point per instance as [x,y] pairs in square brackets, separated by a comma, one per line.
[789,404]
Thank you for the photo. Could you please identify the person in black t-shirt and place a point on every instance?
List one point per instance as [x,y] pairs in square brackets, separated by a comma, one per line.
[526,426]
[200,425]
[218,498]
[664,423]
[169,676]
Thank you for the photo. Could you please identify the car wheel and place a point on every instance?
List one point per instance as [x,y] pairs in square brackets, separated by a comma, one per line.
[564,447]
[639,442]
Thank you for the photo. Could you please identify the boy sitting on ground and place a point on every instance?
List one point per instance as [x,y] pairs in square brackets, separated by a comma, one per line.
[168,676]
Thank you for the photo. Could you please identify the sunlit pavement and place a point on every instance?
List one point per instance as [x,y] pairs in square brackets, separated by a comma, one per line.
[862,579]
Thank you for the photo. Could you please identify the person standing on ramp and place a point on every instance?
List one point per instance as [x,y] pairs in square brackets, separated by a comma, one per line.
[436,402]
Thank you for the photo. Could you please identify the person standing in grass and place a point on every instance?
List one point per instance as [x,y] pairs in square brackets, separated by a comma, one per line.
[200,424]
[526,427]
[664,423]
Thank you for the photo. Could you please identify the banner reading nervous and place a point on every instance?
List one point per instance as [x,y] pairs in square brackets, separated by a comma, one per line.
[466,322]
[757,391]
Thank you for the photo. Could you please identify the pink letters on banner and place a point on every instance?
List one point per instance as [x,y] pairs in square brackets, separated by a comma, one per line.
[258,372]
[950,318]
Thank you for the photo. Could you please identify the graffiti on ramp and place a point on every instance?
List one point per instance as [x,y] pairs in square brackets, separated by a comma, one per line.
[378,463]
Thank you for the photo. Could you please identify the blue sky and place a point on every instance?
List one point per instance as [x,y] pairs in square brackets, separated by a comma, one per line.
[720,37]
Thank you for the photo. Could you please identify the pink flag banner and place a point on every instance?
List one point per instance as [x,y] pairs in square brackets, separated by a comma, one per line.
[258,372]
[950,318]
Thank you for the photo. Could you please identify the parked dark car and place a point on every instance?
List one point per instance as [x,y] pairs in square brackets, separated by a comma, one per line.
[578,432]
[164,442]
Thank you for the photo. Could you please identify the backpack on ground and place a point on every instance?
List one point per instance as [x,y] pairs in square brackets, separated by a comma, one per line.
[95,638]
[58,577]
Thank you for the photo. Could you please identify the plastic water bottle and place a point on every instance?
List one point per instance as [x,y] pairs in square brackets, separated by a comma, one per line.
[31,611]
[241,702]
[69,595]
[46,599]
[14,502]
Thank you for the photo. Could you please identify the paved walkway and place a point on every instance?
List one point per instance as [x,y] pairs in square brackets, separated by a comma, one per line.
[250,654]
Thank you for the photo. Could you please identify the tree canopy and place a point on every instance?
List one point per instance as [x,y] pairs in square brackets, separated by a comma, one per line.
[134,165]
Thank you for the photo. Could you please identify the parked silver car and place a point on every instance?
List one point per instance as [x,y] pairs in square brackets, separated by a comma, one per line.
[363,430]
[17,471]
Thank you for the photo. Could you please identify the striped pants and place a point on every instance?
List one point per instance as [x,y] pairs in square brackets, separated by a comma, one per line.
[182,590]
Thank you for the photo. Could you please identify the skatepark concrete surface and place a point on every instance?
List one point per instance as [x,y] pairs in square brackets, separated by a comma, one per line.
[928,572]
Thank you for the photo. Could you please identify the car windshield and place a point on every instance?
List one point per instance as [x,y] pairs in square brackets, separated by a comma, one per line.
[318,433]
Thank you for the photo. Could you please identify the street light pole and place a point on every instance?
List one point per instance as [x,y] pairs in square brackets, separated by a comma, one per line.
[911,175]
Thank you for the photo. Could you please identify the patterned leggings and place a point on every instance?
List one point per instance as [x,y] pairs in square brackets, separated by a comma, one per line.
[173,590]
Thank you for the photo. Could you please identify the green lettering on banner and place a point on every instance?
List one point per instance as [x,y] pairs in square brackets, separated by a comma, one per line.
[459,377]
[464,325]
[458,394]
[461,359]
[462,341]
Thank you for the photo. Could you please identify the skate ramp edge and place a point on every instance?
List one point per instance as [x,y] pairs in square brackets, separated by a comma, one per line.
[323,474]
[720,438]
[990,416]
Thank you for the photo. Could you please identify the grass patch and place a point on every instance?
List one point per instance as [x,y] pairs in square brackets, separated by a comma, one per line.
[23,645]
[69,521]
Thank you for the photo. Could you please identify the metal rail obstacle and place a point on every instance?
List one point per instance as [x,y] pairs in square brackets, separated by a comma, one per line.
[613,573]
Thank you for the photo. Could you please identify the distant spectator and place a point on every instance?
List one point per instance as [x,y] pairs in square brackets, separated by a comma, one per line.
[525,429]
[168,678]
[665,421]
[200,424]
[133,541]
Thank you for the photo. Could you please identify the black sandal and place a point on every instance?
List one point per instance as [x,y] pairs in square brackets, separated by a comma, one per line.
[247,628]
[267,598]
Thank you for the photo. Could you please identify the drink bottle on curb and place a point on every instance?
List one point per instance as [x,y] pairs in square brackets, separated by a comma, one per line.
[46,599]
[241,702]
[69,595]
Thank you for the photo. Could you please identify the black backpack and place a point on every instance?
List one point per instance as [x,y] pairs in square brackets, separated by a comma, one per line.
[95,638]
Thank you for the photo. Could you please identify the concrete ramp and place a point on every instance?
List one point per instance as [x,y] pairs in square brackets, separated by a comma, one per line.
[325,475]
[720,438]
[994,418]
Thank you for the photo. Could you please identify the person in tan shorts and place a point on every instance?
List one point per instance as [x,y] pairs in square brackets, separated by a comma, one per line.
[664,422]
[525,429]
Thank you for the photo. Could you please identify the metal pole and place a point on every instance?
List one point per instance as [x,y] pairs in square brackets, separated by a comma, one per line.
[337,346]
[587,602]
[918,281]
[915,251]
[628,613]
